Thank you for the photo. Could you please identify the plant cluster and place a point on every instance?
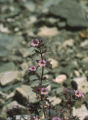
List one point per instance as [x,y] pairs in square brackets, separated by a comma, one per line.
[43,108]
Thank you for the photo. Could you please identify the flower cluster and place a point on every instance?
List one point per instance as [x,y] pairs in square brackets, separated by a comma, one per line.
[41,62]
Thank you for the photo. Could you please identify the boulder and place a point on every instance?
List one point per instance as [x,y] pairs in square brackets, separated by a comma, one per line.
[81,112]
[10,66]
[24,95]
[71,11]
[9,43]
[82,84]
[9,77]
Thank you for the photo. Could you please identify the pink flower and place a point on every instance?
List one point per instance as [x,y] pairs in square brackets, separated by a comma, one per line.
[7,110]
[35,118]
[56,118]
[42,63]
[44,91]
[35,43]
[78,93]
[32,68]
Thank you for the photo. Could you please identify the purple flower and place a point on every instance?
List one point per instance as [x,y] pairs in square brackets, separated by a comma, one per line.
[78,93]
[35,118]
[32,68]
[44,91]
[35,43]
[42,63]
[56,118]
[7,110]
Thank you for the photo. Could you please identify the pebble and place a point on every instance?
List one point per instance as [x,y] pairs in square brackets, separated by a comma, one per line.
[60,78]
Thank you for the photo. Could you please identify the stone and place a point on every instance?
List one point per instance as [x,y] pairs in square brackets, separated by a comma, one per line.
[11,105]
[24,94]
[3,29]
[77,74]
[7,67]
[81,112]
[59,91]
[52,21]
[53,62]
[85,60]
[21,117]
[84,43]
[6,1]
[33,19]
[3,95]
[82,84]
[11,95]
[25,52]
[1,102]
[24,67]
[46,31]
[9,77]
[69,43]
[47,4]
[67,9]
[60,78]
[30,6]
[54,100]
[3,116]
[62,24]
[9,43]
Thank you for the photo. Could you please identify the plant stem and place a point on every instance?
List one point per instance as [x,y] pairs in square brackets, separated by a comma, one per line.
[44,112]
[42,68]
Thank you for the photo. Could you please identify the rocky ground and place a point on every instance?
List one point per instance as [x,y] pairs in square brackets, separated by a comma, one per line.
[63,24]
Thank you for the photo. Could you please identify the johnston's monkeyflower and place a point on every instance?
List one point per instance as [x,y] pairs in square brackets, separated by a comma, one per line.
[35,43]
[42,63]
[32,68]
[79,94]
[44,91]
[35,118]
[56,118]
[7,110]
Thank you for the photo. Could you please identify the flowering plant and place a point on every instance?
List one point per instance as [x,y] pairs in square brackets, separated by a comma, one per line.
[43,108]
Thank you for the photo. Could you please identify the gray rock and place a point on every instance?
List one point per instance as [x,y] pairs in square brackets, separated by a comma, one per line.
[9,43]
[5,1]
[9,77]
[52,21]
[1,102]
[81,112]
[21,117]
[9,96]
[7,67]
[62,24]
[47,4]
[13,103]
[82,84]
[30,6]
[54,100]
[3,116]
[71,11]
[3,95]
[24,94]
